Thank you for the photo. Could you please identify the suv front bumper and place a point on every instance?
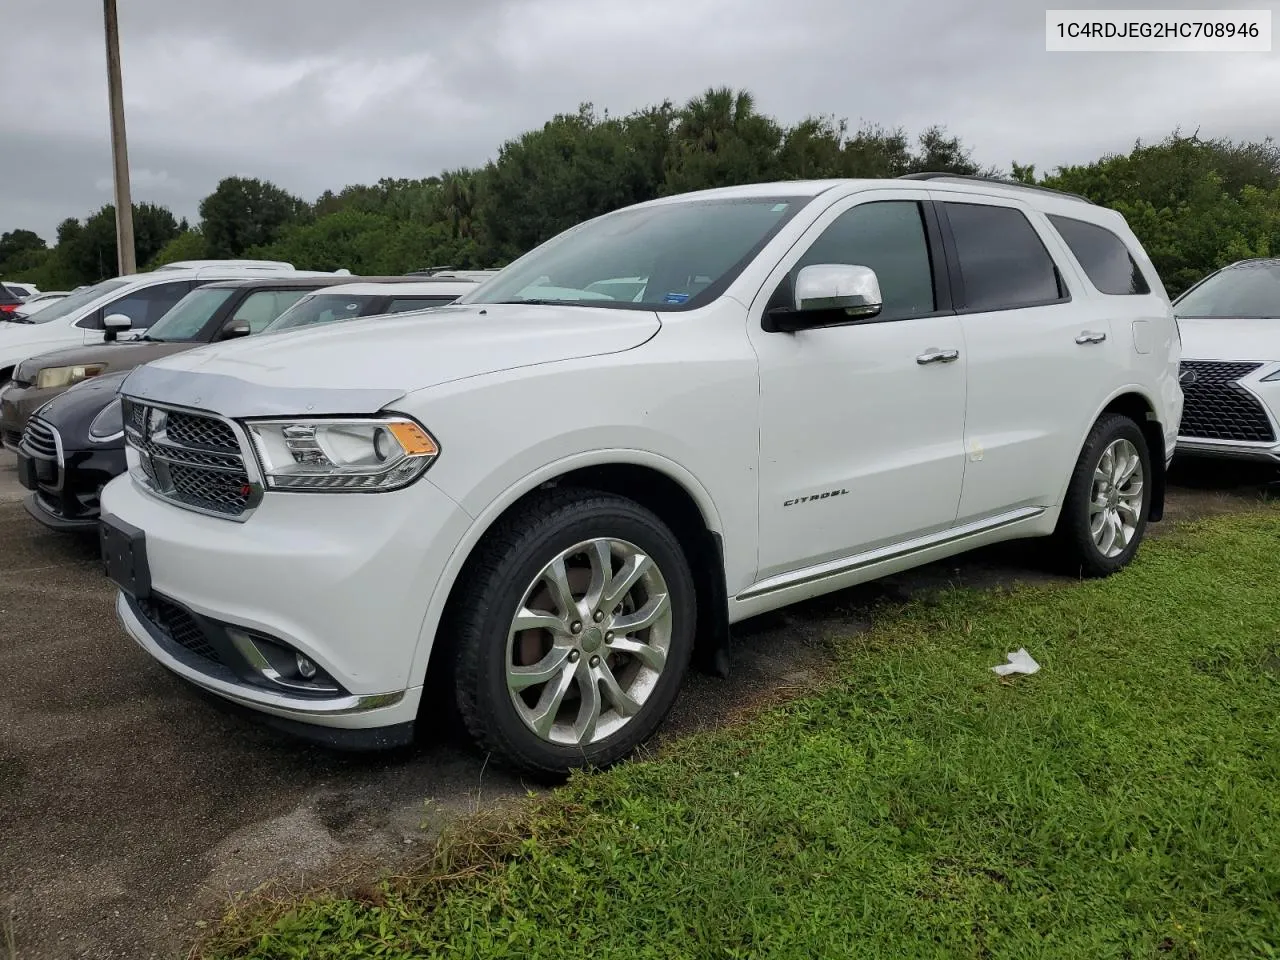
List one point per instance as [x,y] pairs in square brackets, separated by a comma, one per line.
[342,579]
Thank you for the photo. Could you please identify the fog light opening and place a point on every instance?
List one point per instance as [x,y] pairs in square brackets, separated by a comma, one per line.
[306,669]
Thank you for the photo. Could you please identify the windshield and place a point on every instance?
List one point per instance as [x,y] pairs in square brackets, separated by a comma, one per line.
[321,308]
[188,317]
[1249,291]
[671,256]
[73,302]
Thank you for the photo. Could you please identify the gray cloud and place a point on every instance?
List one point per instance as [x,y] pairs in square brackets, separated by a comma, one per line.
[316,94]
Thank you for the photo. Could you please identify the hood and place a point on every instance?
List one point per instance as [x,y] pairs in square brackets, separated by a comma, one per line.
[118,356]
[74,409]
[1216,339]
[360,366]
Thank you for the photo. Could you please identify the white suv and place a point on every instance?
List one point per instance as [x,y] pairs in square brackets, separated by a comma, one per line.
[538,498]
[131,302]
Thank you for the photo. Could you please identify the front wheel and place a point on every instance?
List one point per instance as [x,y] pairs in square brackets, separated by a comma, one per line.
[575,627]
[1104,515]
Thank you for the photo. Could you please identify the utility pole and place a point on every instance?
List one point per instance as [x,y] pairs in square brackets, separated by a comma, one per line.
[119,150]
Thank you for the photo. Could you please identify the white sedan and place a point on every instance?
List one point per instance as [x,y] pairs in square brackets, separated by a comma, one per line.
[1230,374]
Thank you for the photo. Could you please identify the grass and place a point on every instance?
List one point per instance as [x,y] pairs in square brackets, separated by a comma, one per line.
[1124,802]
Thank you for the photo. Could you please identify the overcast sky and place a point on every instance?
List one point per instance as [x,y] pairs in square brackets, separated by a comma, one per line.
[316,94]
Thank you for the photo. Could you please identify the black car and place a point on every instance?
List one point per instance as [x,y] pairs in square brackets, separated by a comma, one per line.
[70,450]
[72,445]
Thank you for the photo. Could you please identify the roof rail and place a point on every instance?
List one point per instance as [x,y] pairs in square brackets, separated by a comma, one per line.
[998,181]
[1240,263]
[252,264]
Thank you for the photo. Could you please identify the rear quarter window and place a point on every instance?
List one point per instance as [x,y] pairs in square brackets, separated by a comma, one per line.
[1103,255]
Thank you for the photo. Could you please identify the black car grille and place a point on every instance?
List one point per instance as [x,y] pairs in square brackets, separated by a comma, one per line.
[40,439]
[188,458]
[178,625]
[1216,407]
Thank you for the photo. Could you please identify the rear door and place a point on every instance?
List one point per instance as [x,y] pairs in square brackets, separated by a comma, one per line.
[1037,348]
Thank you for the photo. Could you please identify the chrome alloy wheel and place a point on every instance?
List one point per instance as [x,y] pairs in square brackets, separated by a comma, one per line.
[1115,502]
[588,642]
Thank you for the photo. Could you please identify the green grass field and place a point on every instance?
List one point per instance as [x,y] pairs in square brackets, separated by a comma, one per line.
[1124,802]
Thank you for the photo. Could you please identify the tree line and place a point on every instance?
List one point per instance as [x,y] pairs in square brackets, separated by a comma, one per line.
[1196,204]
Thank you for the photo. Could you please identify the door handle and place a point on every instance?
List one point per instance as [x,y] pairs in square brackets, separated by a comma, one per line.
[1090,337]
[934,355]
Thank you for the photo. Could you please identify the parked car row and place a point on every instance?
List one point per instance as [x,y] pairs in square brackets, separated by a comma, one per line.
[536,501]
[60,412]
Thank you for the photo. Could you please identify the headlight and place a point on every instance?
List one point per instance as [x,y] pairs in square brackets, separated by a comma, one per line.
[51,377]
[1272,376]
[108,424]
[371,455]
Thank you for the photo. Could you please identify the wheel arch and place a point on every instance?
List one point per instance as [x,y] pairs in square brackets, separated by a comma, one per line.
[655,482]
[1133,402]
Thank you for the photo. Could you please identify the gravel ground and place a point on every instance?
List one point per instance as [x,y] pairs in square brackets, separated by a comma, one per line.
[130,806]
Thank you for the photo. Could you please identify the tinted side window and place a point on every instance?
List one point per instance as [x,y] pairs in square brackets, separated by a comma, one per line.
[889,237]
[1003,263]
[264,306]
[143,307]
[1103,255]
[417,303]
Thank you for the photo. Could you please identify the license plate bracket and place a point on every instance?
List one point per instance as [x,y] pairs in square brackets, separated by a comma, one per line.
[124,556]
[26,471]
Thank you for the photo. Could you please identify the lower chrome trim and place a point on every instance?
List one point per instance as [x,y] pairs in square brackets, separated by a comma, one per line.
[249,696]
[1266,452]
[836,568]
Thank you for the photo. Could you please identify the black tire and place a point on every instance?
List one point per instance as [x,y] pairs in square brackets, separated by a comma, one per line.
[509,558]
[1076,548]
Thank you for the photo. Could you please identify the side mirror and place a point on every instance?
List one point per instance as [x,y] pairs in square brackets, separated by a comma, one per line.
[113,323]
[233,329]
[826,294]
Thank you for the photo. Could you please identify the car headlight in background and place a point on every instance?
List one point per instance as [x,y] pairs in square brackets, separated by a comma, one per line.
[370,455]
[52,377]
[109,423]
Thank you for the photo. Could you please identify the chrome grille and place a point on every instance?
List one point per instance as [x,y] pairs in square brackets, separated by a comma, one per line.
[40,439]
[191,459]
[1216,407]
[203,433]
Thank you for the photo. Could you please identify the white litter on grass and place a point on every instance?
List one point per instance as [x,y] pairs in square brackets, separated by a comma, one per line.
[1019,662]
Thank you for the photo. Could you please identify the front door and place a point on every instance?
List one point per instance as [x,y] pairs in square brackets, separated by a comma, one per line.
[862,424]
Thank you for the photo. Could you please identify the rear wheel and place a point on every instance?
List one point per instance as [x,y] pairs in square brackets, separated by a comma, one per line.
[575,628]
[1104,515]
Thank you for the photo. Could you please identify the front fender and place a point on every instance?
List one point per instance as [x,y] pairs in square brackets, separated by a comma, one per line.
[694,422]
